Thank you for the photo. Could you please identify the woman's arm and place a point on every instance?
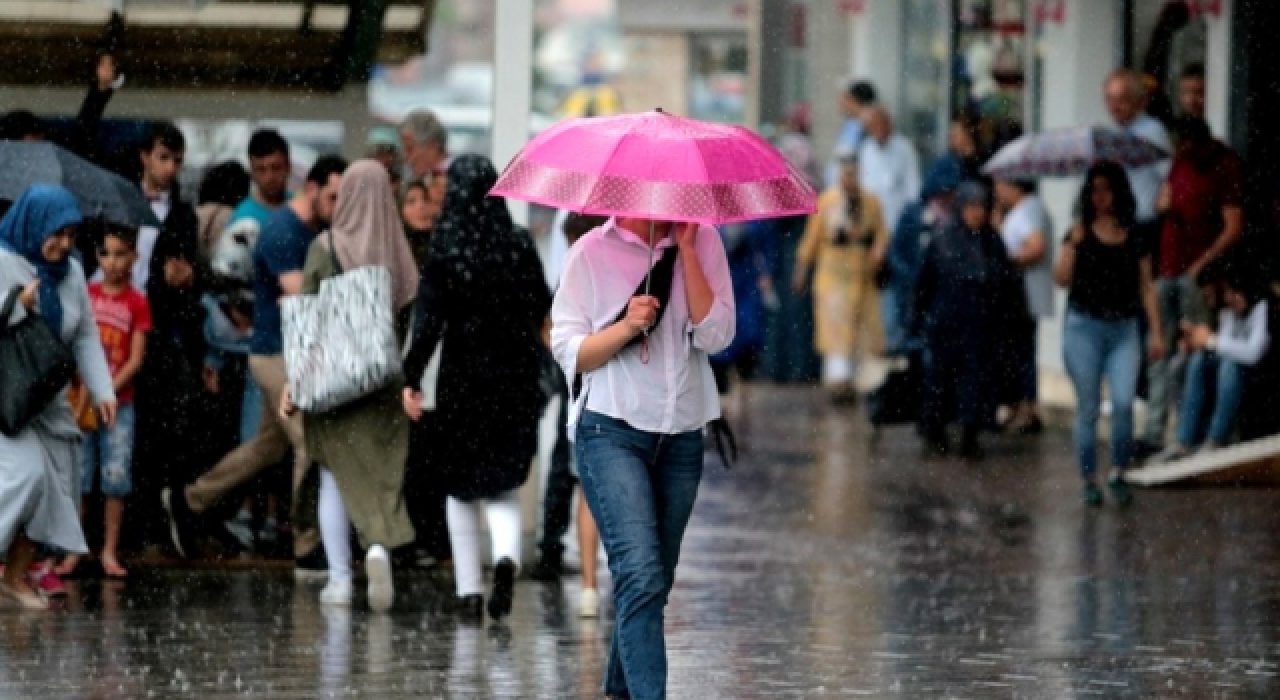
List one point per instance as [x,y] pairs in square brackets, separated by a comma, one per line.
[1064,271]
[1249,350]
[1033,250]
[87,347]
[1155,345]
[708,287]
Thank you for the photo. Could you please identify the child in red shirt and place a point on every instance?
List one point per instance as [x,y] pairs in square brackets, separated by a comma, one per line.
[124,319]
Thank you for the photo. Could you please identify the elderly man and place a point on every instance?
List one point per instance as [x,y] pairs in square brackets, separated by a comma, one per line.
[889,169]
[426,144]
[1126,99]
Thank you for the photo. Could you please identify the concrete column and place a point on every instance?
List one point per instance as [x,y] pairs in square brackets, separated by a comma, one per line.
[1218,69]
[767,33]
[831,68]
[877,49]
[512,87]
[1077,56]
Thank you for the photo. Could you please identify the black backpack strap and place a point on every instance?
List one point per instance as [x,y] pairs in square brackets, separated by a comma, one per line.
[660,280]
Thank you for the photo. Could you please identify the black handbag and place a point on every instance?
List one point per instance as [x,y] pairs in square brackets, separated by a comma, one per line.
[35,366]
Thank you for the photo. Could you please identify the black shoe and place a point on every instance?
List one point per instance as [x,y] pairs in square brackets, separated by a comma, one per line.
[469,607]
[504,589]
[549,569]
[936,444]
[1120,491]
[1143,450]
[971,449]
[312,567]
[183,524]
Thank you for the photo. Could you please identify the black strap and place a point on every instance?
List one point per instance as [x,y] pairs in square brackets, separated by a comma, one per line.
[6,312]
[333,255]
[660,279]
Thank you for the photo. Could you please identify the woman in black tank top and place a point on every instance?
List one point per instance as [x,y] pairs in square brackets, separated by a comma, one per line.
[1108,274]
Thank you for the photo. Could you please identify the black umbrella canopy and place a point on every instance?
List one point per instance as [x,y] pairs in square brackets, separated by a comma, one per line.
[100,192]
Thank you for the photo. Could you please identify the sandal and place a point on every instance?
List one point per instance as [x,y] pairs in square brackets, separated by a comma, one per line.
[25,600]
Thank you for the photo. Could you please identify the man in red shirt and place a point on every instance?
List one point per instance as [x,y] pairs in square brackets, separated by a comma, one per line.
[1203,218]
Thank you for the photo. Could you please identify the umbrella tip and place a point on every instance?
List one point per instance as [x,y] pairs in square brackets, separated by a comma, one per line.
[659,110]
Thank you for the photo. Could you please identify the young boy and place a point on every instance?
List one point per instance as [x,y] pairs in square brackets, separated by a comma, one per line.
[124,319]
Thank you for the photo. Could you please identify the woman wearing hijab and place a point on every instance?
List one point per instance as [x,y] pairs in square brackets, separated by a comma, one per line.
[39,498]
[484,296]
[362,446]
[846,240]
[967,291]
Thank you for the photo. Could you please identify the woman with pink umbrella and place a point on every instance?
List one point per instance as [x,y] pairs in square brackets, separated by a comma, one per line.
[634,336]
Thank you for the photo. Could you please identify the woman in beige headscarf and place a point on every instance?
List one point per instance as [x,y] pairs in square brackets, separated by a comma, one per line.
[846,240]
[362,446]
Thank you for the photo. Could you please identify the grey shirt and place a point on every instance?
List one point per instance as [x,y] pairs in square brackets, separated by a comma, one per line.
[79,331]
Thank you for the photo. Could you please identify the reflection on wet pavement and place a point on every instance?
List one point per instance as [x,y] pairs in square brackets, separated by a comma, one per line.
[819,567]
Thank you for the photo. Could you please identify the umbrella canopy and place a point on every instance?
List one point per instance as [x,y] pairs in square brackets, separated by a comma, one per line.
[657,166]
[99,192]
[1066,152]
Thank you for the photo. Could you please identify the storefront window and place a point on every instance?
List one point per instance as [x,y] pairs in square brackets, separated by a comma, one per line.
[927,47]
[991,65]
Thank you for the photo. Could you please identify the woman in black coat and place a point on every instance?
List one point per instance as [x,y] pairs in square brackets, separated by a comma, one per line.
[967,291]
[483,299]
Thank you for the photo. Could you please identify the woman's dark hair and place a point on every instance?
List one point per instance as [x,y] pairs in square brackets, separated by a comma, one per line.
[1124,206]
[414,184]
[226,184]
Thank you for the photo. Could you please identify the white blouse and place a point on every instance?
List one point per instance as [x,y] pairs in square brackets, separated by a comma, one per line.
[674,392]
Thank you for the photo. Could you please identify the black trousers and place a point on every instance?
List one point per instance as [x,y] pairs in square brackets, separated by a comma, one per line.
[425,494]
[558,500]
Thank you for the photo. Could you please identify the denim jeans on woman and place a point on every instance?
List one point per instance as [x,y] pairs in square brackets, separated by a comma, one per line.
[640,488]
[1204,370]
[1094,350]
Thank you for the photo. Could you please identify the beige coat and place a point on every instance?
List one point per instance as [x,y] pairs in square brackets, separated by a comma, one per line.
[845,299]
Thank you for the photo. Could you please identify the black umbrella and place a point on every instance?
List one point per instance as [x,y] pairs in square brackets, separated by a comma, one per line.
[100,192]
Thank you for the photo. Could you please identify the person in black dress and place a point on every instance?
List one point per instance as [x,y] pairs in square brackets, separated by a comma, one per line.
[484,300]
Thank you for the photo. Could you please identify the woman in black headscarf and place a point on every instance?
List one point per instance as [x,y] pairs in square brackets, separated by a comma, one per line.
[483,298]
[967,290]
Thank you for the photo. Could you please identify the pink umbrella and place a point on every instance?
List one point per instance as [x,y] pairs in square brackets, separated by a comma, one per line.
[657,166]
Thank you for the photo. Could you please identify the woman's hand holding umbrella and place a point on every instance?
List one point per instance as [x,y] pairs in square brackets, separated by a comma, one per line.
[642,311]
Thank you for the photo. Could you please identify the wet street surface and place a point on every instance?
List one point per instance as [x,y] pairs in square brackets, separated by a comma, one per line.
[820,566]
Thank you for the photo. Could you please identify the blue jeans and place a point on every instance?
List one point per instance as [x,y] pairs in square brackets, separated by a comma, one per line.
[1095,350]
[640,488]
[1230,387]
[108,453]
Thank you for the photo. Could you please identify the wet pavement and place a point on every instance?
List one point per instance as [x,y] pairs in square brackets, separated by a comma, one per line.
[821,566]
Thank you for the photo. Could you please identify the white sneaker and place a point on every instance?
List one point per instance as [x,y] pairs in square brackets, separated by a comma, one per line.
[337,592]
[377,566]
[589,603]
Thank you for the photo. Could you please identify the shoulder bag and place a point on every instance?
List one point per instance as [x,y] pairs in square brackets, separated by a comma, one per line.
[35,366]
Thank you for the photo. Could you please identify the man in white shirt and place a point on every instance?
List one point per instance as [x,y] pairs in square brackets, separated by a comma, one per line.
[889,169]
[1126,98]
